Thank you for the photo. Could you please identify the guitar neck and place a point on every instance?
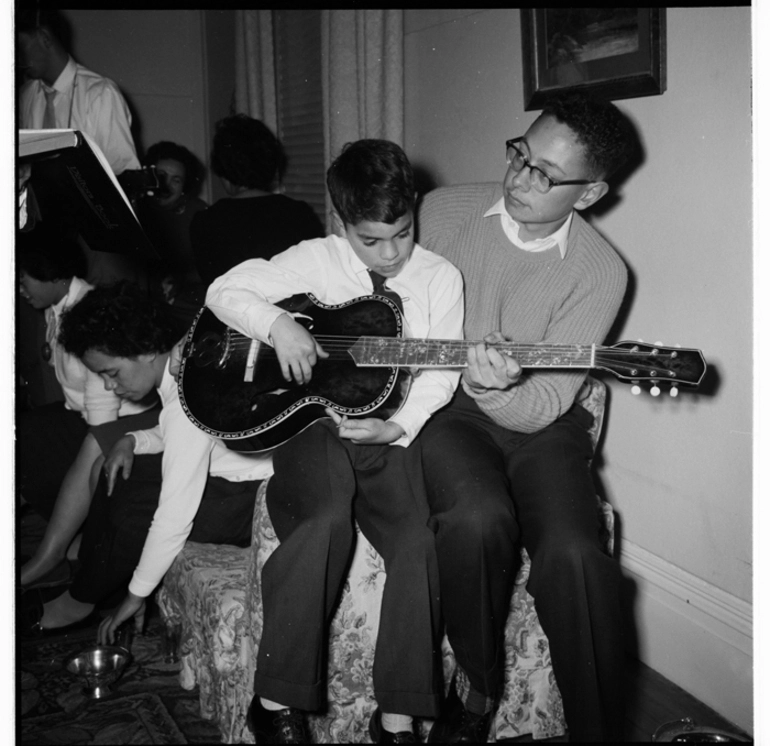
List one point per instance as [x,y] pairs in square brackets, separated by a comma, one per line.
[451,353]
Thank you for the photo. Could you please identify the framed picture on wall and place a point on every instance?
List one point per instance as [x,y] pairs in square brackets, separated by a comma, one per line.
[613,53]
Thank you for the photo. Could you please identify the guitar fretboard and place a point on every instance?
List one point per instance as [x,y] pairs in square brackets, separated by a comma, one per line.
[450,353]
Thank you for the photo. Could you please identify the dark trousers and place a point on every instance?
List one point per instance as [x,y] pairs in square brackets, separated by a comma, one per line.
[48,440]
[489,487]
[117,526]
[321,484]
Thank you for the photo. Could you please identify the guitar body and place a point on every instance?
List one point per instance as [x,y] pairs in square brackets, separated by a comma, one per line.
[232,387]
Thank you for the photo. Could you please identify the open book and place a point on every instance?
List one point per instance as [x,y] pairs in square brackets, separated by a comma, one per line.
[74,185]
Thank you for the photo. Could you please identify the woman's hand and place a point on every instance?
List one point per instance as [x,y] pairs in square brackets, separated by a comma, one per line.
[121,456]
[369,431]
[488,368]
[131,606]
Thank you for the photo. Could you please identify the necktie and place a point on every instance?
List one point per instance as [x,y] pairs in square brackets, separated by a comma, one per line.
[49,117]
[378,283]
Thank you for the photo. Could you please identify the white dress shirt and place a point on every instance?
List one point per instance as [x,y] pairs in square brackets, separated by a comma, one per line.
[430,288]
[88,102]
[189,456]
[511,229]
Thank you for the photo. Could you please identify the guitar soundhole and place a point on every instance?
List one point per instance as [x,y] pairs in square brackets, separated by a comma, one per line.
[208,350]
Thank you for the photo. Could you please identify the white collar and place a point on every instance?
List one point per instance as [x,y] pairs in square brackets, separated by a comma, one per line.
[511,230]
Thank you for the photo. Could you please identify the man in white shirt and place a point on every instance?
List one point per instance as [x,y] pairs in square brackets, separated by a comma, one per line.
[59,93]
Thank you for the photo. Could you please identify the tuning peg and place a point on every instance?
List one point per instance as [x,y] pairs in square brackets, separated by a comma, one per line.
[636,389]
[674,391]
[655,391]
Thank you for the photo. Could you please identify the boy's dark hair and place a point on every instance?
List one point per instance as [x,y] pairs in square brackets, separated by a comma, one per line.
[371,180]
[193,168]
[48,255]
[604,132]
[247,153]
[119,320]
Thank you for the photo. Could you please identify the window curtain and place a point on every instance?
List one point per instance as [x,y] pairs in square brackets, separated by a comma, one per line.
[362,76]
[254,66]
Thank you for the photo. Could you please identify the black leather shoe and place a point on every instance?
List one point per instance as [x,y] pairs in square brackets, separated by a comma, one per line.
[380,735]
[277,726]
[455,724]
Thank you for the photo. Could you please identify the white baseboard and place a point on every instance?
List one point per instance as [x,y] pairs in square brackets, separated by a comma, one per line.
[694,634]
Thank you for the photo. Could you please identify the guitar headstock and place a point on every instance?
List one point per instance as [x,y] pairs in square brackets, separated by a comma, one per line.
[637,363]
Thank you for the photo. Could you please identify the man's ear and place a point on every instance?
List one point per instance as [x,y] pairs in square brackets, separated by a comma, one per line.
[338,226]
[592,194]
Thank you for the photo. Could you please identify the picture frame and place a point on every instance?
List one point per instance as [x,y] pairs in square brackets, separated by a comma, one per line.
[612,53]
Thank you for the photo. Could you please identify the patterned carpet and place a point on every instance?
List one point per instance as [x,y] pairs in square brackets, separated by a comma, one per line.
[147,704]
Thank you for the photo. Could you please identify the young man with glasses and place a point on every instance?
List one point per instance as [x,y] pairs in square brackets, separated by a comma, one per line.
[507,461]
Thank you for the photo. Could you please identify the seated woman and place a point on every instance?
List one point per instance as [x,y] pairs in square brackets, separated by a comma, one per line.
[56,451]
[166,216]
[253,221]
[195,488]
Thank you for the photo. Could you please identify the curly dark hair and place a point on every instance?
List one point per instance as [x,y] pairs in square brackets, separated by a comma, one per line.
[606,134]
[119,320]
[247,153]
[193,168]
[49,254]
[371,180]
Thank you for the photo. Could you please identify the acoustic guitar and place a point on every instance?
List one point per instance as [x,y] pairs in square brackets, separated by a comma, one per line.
[232,387]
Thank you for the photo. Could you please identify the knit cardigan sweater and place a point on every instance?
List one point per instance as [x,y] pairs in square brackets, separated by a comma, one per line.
[529,297]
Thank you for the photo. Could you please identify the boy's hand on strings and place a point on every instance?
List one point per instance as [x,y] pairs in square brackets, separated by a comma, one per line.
[368,431]
[296,349]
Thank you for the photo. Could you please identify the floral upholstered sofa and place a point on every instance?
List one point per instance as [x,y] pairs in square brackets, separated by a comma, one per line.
[214,591]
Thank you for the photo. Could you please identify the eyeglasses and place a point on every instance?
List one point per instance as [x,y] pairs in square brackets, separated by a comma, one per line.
[540,180]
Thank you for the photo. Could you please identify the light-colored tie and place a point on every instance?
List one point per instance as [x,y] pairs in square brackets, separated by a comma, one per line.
[49,118]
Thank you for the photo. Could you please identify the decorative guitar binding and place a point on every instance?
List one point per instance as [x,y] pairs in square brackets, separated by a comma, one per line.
[232,387]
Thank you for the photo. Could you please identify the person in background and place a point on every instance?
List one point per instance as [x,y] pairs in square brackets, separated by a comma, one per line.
[508,459]
[182,483]
[166,216]
[55,452]
[253,221]
[59,93]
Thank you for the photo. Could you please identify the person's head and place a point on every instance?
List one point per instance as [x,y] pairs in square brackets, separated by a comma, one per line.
[47,261]
[246,154]
[42,37]
[179,172]
[371,185]
[122,335]
[563,161]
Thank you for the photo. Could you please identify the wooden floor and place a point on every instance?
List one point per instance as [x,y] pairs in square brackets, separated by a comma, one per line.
[652,700]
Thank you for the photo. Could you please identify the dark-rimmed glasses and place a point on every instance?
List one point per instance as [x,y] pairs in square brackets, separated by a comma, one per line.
[540,180]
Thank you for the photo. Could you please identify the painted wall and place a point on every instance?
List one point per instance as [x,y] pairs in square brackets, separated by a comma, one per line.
[677,471]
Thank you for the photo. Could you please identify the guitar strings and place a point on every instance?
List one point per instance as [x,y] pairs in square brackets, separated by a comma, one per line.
[338,347]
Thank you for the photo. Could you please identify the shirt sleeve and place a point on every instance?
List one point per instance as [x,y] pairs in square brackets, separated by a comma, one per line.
[244,297]
[185,469]
[147,441]
[431,389]
[111,126]
[99,405]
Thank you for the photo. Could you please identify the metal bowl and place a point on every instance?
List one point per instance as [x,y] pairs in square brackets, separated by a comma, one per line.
[688,731]
[98,667]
